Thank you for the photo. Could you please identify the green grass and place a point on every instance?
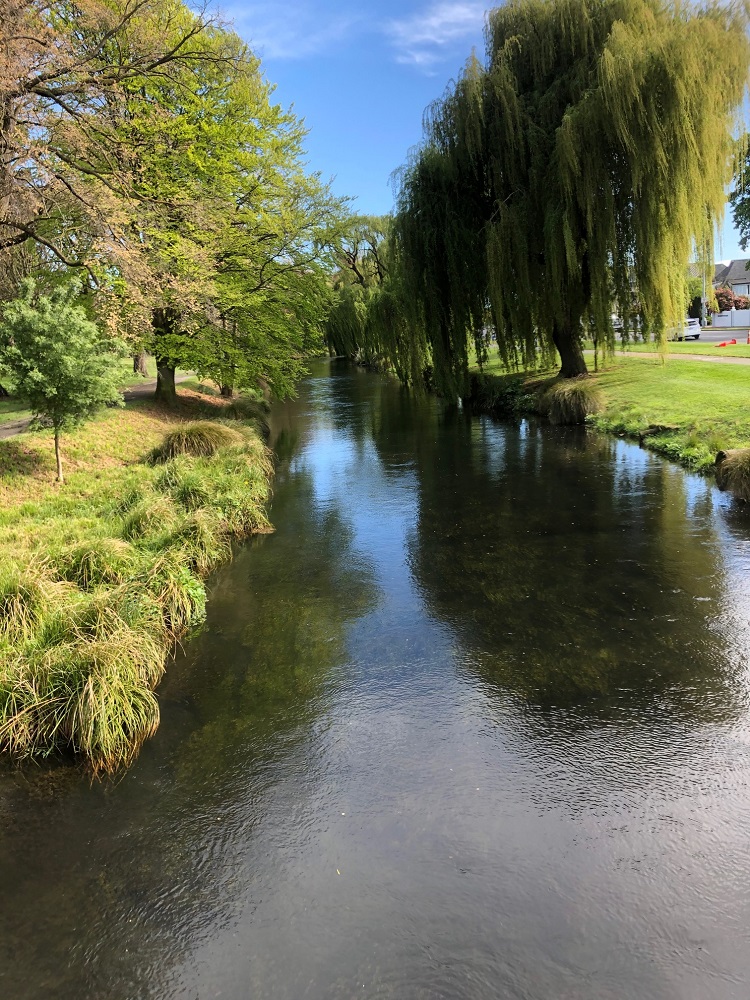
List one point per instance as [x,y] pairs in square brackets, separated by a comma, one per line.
[676,348]
[99,578]
[702,407]
[685,410]
[12,409]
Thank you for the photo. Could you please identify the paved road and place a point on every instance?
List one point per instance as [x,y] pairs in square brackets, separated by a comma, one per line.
[711,336]
[141,390]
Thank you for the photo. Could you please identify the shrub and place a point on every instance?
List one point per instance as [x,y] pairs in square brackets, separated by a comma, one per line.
[569,401]
[725,298]
[202,437]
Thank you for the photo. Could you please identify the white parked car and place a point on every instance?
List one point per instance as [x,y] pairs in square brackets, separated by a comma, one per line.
[690,330]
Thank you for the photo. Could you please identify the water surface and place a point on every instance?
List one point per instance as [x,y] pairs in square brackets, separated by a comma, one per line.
[472,724]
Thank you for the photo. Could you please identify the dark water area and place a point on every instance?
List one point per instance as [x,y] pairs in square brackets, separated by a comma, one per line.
[474,723]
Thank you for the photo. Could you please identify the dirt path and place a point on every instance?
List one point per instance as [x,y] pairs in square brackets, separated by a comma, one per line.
[141,390]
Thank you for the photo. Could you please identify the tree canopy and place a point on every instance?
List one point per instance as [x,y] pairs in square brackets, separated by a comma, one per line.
[570,174]
[140,147]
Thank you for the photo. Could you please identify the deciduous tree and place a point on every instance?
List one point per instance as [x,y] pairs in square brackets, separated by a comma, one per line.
[58,360]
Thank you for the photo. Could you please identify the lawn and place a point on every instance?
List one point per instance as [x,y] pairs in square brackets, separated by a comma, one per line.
[739,350]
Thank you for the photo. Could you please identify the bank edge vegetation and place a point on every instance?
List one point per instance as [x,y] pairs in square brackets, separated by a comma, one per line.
[100,586]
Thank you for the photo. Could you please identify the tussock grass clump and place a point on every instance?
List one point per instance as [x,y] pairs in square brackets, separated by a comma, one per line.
[150,517]
[199,438]
[203,539]
[92,696]
[187,485]
[571,400]
[131,496]
[26,598]
[733,472]
[179,593]
[252,411]
[98,561]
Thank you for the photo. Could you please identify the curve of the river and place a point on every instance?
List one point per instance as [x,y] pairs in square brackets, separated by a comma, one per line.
[474,723]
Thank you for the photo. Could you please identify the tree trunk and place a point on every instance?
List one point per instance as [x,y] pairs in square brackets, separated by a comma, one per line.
[166,391]
[3,392]
[227,391]
[568,344]
[139,364]
[164,322]
[58,456]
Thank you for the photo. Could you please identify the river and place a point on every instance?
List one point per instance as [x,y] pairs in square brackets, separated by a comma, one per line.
[473,723]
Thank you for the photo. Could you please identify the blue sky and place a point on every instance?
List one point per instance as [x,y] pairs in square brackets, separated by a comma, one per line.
[362,75]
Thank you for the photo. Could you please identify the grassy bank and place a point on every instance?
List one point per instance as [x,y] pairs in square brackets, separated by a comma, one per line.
[99,578]
[685,410]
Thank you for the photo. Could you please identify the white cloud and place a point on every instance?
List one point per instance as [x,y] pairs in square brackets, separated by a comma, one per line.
[423,38]
[291,30]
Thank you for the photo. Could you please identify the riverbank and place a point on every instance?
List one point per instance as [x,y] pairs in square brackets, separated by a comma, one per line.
[100,578]
[686,410]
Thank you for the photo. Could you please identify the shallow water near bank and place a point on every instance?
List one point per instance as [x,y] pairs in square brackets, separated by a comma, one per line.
[474,723]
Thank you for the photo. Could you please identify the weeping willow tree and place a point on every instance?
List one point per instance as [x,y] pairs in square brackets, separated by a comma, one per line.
[369,319]
[574,173]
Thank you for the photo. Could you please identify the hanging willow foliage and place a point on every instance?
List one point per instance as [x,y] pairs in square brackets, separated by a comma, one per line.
[572,175]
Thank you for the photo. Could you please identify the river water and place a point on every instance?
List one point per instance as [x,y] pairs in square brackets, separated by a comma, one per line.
[474,723]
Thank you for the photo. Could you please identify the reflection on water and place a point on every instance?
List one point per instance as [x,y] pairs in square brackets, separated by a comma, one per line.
[472,724]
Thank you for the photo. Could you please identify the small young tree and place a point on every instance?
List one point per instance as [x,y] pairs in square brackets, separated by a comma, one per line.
[60,363]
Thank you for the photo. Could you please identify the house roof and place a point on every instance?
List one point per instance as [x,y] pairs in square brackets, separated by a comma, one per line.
[734,272]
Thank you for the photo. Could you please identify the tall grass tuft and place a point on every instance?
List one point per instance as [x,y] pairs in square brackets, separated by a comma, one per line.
[200,438]
[732,469]
[26,598]
[150,517]
[188,486]
[570,401]
[203,540]
[92,696]
[179,593]
[96,562]
[250,411]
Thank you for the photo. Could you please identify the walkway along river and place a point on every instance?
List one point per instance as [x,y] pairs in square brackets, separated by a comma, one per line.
[474,723]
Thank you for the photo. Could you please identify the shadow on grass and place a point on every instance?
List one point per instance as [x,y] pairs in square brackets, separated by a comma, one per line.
[17,459]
